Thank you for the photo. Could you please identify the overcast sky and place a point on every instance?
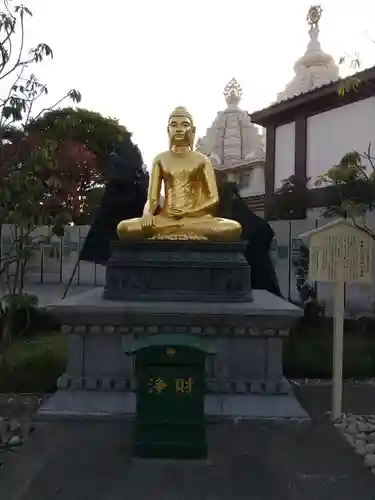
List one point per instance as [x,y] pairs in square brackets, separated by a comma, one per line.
[137,60]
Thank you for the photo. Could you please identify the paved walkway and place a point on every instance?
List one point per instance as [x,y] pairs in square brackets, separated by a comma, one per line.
[317,399]
[248,461]
[49,293]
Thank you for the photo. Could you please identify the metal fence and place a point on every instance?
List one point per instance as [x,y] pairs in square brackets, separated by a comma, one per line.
[54,262]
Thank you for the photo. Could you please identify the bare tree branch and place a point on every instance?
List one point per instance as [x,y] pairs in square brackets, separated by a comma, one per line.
[364,228]
[50,108]
[369,157]
[17,63]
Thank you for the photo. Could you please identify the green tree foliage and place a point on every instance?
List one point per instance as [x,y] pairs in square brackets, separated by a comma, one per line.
[99,134]
[84,141]
[290,200]
[351,83]
[28,180]
[91,204]
[352,185]
[301,266]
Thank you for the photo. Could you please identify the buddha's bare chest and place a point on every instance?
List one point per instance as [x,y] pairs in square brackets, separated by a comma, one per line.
[180,170]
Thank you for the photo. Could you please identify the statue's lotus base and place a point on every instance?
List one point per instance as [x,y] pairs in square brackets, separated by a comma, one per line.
[172,288]
[188,271]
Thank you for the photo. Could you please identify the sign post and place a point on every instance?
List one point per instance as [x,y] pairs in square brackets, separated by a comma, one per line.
[340,253]
[338,348]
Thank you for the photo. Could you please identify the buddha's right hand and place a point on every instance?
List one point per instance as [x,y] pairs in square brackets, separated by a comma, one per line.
[147,221]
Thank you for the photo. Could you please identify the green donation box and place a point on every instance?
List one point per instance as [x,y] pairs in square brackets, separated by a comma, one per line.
[170,374]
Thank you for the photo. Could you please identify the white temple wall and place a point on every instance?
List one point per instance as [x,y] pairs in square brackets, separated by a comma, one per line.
[256,184]
[332,134]
[284,153]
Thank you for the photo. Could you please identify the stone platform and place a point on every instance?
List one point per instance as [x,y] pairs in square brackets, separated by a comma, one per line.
[175,288]
[247,338]
[102,405]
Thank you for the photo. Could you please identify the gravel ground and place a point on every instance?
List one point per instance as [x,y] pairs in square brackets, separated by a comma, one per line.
[357,424]
[17,414]
[359,431]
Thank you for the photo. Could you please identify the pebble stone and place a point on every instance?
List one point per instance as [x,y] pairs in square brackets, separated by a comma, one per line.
[17,441]
[14,432]
[16,427]
[4,430]
[359,431]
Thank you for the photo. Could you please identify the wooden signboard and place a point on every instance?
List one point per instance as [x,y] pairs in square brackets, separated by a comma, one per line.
[340,252]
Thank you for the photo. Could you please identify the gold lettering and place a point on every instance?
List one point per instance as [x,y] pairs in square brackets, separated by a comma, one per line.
[184,385]
[156,385]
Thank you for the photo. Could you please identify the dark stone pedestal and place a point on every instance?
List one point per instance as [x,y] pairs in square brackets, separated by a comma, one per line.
[189,271]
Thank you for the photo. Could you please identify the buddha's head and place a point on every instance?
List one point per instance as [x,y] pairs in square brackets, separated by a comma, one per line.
[181,130]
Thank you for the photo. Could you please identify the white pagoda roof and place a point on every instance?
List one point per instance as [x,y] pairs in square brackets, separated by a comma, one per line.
[232,137]
[315,68]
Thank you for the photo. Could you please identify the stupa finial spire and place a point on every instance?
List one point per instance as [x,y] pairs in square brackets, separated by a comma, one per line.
[314,15]
[233,93]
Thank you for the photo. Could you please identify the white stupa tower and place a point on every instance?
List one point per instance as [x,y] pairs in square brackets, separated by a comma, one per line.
[315,68]
[232,138]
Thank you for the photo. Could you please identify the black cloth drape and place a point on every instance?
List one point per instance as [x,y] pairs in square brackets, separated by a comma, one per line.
[124,198]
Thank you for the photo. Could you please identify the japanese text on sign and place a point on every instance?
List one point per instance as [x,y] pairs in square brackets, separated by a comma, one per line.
[184,385]
[156,385]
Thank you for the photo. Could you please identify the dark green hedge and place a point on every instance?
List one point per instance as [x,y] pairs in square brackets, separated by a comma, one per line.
[308,353]
[34,365]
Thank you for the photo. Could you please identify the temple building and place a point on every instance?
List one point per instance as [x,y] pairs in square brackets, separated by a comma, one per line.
[236,146]
[312,125]
[308,128]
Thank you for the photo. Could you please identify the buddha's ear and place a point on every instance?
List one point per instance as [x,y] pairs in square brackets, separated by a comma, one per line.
[169,138]
[192,137]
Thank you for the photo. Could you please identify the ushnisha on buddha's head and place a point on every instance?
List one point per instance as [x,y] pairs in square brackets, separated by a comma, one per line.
[181,130]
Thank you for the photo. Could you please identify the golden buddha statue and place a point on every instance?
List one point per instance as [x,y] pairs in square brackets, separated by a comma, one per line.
[190,191]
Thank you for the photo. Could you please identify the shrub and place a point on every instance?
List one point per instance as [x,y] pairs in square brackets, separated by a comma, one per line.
[29,319]
[308,353]
[34,365]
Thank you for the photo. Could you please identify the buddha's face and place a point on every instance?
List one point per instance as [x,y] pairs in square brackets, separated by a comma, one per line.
[180,131]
